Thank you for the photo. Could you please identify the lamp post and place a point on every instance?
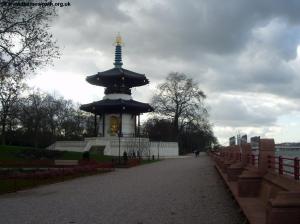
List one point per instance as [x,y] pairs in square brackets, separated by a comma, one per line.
[119,135]
[158,144]
[95,125]
[139,134]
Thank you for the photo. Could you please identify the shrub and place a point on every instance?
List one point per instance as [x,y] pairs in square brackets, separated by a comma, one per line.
[86,155]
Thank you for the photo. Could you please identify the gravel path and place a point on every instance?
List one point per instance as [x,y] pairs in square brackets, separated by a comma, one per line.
[172,191]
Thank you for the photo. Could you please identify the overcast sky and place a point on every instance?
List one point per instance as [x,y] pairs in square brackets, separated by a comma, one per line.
[244,54]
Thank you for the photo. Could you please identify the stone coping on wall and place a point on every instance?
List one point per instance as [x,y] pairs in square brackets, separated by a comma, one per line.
[253,208]
[272,185]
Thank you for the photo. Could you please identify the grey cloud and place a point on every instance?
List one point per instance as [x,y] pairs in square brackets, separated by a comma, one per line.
[228,46]
[280,37]
[262,71]
[194,28]
[192,37]
[182,29]
[90,23]
[234,112]
[248,110]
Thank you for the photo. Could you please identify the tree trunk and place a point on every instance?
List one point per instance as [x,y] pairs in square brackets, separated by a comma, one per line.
[3,130]
[36,137]
[175,127]
[3,133]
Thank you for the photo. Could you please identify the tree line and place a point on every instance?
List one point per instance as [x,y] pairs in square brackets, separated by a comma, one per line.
[39,119]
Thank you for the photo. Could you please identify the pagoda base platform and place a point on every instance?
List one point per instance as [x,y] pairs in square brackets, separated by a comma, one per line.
[115,146]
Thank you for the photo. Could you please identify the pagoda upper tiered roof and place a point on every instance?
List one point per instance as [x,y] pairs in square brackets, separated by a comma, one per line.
[118,76]
[117,81]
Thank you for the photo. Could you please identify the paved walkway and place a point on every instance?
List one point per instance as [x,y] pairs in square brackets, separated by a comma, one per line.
[172,191]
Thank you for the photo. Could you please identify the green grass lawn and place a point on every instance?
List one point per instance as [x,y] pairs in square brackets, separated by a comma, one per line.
[13,153]
[8,152]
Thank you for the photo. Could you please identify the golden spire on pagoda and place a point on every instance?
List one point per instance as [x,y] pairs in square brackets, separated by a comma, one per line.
[119,40]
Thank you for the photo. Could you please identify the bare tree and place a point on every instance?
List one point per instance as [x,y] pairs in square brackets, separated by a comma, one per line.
[25,44]
[10,89]
[25,41]
[34,112]
[181,100]
[45,118]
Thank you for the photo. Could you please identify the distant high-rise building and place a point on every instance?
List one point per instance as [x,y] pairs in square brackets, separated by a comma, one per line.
[243,139]
[254,141]
[232,140]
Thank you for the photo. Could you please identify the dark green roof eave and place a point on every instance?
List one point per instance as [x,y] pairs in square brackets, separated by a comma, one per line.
[117,106]
[117,76]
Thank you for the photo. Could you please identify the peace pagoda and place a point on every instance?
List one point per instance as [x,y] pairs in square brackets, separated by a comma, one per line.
[119,114]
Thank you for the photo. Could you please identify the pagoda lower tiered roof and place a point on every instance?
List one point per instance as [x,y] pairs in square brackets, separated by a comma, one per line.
[116,106]
[118,76]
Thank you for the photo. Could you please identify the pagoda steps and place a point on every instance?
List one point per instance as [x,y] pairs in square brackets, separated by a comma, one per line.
[113,146]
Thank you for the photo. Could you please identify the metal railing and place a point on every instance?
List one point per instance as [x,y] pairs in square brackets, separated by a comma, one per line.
[285,166]
[253,159]
[281,165]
